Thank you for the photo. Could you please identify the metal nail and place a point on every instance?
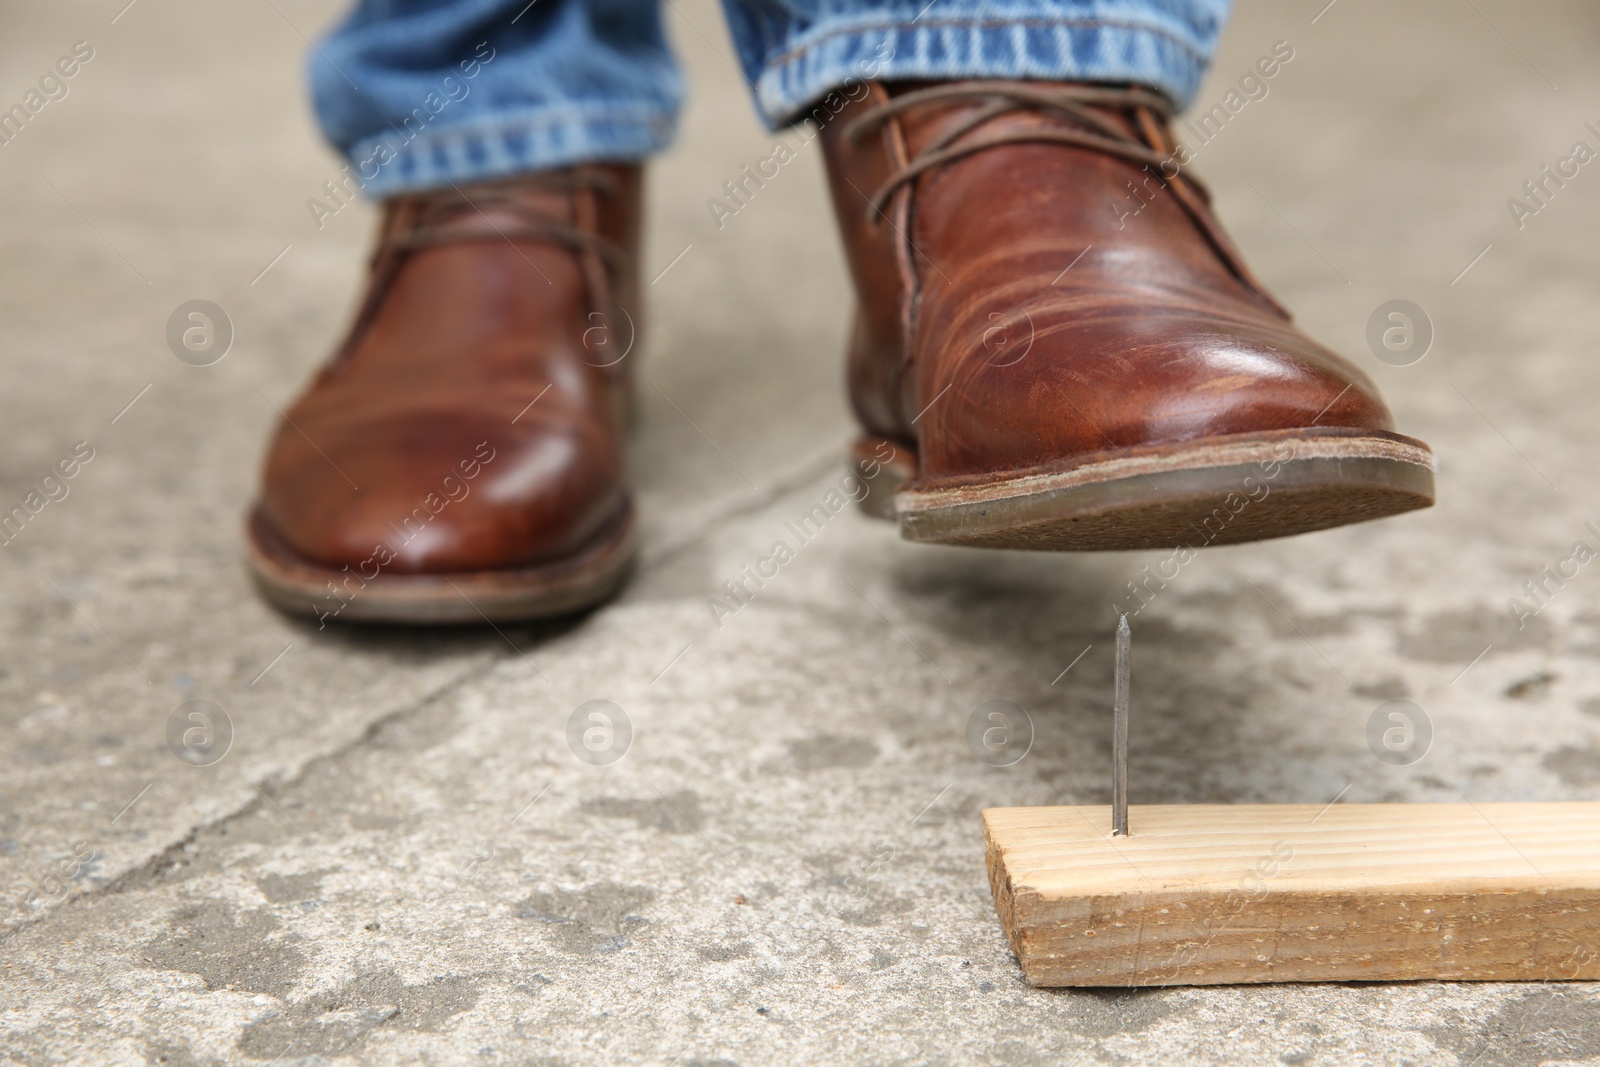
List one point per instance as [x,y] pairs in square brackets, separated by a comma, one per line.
[1119,739]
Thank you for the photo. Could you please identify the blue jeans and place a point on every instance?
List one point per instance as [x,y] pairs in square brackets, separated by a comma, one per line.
[422,93]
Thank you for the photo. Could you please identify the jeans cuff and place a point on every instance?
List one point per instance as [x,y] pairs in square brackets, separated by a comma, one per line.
[408,161]
[1022,47]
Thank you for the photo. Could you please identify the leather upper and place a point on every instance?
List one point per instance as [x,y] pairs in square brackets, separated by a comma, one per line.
[1028,302]
[472,418]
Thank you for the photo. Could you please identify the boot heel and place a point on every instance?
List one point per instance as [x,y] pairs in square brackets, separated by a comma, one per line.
[884,466]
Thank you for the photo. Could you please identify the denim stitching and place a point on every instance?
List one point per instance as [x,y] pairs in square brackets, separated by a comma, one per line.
[987,23]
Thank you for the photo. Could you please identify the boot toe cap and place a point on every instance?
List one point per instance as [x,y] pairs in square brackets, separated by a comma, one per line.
[1134,380]
[440,494]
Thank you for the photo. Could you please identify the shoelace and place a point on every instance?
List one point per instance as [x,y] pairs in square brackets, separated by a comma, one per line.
[449,216]
[1151,147]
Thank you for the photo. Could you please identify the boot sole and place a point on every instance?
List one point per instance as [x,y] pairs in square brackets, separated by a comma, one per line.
[301,587]
[1211,491]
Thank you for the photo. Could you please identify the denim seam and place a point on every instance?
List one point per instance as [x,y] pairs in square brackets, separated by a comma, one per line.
[593,133]
[984,23]
[610,115]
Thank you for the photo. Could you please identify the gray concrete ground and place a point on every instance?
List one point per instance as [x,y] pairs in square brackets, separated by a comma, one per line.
[400,859]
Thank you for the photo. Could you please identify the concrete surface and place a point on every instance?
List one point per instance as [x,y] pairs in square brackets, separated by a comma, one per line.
[400,859]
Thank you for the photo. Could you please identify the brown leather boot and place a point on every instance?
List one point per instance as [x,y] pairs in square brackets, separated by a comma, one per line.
[1057,346]
[460,457]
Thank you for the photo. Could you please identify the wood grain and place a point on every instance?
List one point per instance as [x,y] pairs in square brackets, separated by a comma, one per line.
[1209,894]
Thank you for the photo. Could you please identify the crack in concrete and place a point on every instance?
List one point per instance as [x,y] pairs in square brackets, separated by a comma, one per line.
[738,506]
[143,874]
[742,505]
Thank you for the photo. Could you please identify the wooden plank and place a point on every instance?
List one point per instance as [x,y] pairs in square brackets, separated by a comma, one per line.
[1208,894]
